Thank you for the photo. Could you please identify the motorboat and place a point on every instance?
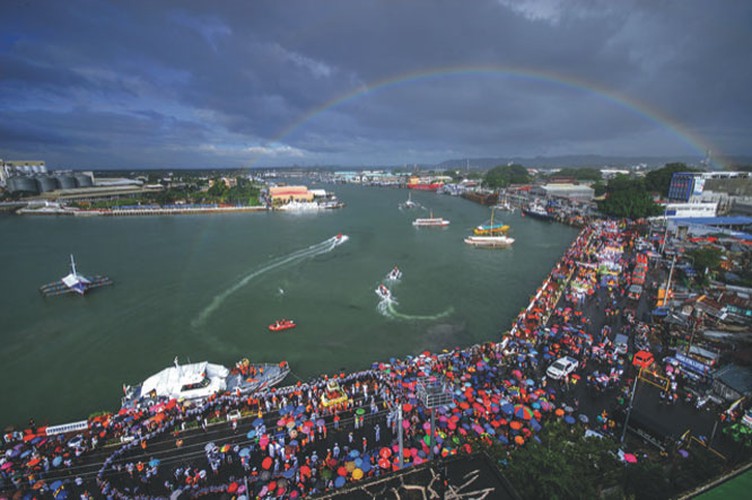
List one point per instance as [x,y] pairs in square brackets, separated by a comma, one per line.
[199,381]
[430,222]
[489,241]
[394,275]
[282,324]
[383,292]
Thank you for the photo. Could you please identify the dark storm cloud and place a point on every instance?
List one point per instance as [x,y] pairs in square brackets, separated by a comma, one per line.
[228,83]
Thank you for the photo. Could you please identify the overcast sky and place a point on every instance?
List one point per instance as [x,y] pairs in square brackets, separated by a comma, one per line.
[170,84]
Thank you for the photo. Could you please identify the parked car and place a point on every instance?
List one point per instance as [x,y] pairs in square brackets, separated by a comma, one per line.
[562,367]
[643,359]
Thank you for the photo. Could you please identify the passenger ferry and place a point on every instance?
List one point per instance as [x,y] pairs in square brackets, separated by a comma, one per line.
[431,222]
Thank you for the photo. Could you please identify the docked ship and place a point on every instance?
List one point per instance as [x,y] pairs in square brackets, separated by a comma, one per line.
[199,381]
[536,210]
[74,282]
[430,222]
[424,184]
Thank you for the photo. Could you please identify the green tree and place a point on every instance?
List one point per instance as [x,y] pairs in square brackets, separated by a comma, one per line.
[599,188]
[706,258]
[626,197]
[563,465]
[503,176]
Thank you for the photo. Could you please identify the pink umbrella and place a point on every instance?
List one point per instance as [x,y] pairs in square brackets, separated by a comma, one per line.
[630,458]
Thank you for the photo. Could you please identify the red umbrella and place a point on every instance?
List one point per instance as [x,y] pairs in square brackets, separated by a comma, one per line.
[341,471]
[385,452]
[267,463]
[232,488]
[384,463]
[407,407]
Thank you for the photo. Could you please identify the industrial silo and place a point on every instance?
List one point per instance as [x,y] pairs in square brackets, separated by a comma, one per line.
[46,183]
[66,181]
[83,180]
[22,185]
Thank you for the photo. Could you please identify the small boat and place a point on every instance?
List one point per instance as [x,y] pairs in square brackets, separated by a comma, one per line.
[489,241]
[383,292]
[431,222]
[394,275]
[200,381]
[282,324]
[409,203]
[491,228]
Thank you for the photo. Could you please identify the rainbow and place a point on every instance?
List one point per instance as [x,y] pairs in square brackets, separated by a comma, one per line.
[694,141]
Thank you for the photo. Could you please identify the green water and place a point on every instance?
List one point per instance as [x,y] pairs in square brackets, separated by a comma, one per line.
[205,287]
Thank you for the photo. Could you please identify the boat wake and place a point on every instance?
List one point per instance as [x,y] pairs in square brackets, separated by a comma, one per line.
[312,251]
[387,309]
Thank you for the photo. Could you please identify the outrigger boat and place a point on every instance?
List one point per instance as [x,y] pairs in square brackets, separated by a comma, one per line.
[74,282]
[383,292]
[394,275]
[282,324]
[491,228]
[409,203]
[199,381]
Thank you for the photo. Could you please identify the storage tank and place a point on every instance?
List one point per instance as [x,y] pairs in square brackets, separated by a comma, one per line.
[66,181]
[83,180]
[22,185]
[46,184]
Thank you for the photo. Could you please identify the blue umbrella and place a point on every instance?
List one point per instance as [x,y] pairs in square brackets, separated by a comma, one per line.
[251,434]
[57,461]
[339,482]
[507,408]
[257,422]
[153,462]
[300,409]
[365,466]
[354,453]
[358,461]
[244,452]
[569,419]
[503,439]
[289,473]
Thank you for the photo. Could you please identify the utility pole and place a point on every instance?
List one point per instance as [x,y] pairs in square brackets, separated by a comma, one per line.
[629,409]
[399,434]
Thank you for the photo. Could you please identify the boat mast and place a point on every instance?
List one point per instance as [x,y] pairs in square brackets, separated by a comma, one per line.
[73,266]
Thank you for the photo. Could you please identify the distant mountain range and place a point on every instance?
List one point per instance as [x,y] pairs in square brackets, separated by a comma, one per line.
[582,161]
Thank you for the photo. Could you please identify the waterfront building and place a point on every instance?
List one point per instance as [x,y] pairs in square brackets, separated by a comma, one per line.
[732,191]
[574,192]
[281,194]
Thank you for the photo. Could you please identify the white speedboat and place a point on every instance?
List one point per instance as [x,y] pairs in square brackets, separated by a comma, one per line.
[489,241]
[383,292]
[199,381]
[394,275]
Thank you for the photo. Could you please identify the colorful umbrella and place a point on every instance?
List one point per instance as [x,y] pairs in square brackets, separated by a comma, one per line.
[523,412]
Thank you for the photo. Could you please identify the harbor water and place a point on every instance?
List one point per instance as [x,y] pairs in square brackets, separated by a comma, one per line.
[205,287]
